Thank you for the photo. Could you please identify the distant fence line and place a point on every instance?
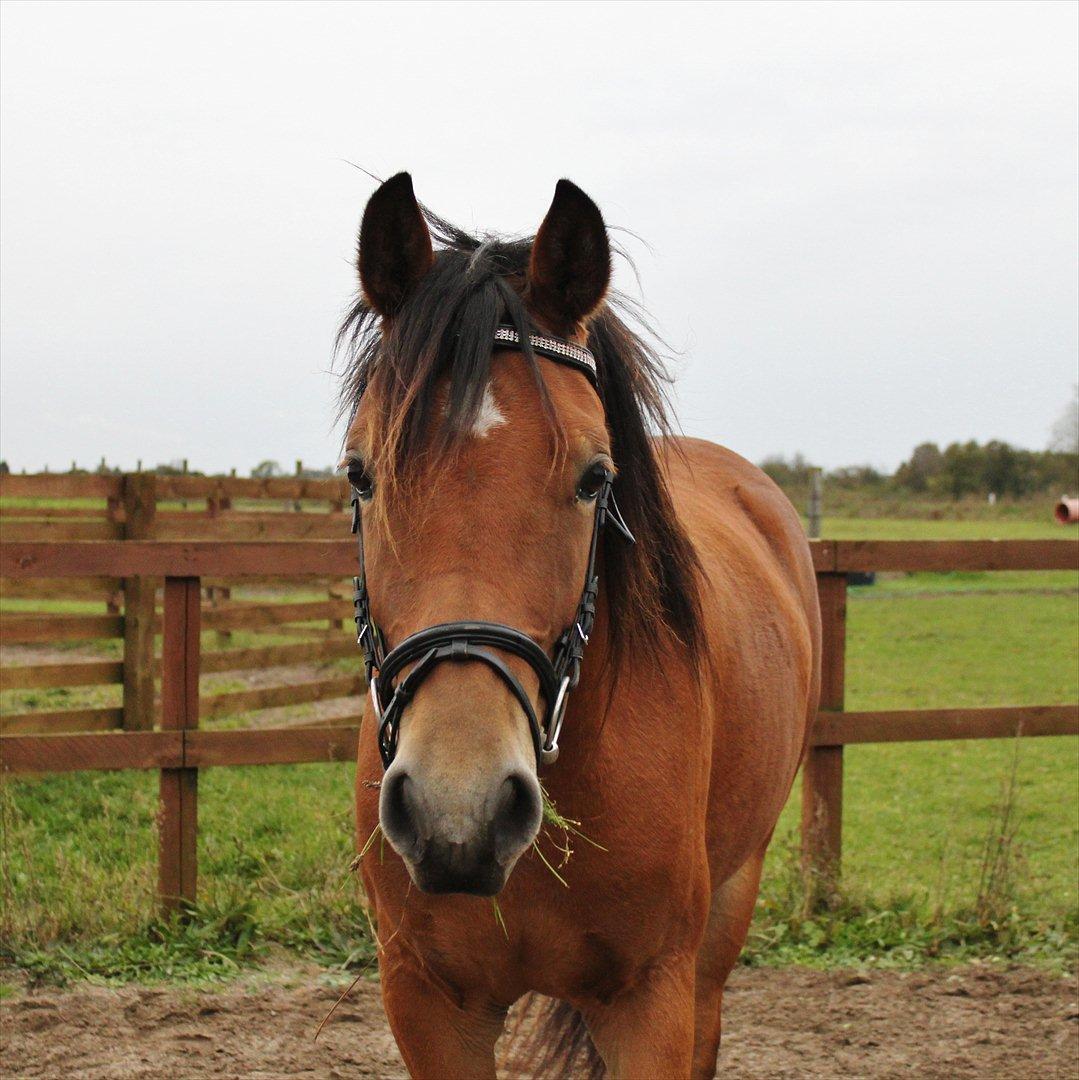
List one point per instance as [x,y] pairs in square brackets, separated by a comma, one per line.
[173,469]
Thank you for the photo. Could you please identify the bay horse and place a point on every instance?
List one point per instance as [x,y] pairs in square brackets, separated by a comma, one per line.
[508,449]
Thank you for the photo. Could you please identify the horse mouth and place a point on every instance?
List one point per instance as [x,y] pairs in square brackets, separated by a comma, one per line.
[450,847]
[452,868]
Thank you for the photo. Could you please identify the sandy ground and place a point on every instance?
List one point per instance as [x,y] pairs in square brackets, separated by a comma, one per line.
[790,1023]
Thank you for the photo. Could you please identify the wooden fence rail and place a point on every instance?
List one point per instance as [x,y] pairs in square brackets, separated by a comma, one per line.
[145,506]
[179,749]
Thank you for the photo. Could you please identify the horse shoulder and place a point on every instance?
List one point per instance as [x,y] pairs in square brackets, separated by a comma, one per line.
[763,625]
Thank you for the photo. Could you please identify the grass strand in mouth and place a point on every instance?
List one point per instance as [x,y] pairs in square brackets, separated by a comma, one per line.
[569,827]
[552,816]
[376,831]
[546,862]
[498,916]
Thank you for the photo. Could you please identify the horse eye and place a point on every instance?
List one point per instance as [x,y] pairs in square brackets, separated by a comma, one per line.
[361,480]
[592,481]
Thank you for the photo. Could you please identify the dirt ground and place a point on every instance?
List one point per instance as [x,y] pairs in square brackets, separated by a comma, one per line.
[792,1023]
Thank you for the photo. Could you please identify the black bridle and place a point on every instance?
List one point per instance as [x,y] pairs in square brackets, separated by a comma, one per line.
[473,641]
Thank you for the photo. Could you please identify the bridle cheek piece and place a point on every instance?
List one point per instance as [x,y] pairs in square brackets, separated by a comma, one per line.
[473,642]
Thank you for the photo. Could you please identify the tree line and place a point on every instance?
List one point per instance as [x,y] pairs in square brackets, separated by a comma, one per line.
[959,469]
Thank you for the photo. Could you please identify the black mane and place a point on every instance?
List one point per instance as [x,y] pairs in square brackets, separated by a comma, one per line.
[446,328]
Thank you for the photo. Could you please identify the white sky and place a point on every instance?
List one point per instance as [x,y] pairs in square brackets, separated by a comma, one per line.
[862,218]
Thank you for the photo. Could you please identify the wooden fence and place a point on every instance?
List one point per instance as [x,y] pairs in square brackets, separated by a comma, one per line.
[144,506]
[179,749]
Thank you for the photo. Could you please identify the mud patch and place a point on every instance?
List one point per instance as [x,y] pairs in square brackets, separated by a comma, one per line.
[779,1023]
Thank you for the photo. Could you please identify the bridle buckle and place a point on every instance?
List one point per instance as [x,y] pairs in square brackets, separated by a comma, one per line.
[549,751]
[376,704]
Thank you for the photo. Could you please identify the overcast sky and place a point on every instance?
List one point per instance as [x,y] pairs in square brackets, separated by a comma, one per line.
[862,218]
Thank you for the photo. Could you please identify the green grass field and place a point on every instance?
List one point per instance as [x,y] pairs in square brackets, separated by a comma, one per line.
[999,528]
[945,855]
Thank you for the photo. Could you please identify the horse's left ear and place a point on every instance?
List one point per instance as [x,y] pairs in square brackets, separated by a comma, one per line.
[570,267]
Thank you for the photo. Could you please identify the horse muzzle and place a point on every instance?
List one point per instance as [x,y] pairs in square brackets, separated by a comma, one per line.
[459,841]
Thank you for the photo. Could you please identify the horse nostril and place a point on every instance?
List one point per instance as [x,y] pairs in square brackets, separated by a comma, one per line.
[517,816]
[397,811]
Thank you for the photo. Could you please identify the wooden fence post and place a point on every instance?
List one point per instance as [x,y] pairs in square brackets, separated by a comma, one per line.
[218,595]
[337,504]
[813,509]
[178,807]
[139,497]
[113,505]
[822,773]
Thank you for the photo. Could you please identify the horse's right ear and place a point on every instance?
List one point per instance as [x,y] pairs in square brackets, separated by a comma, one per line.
[395,246]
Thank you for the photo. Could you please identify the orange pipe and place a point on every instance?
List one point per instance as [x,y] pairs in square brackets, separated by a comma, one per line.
[1067,511]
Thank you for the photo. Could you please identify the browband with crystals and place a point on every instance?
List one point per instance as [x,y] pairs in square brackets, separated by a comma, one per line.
[565,352]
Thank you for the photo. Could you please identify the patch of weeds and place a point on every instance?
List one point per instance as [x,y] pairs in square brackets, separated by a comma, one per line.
[994,922]
[206,945]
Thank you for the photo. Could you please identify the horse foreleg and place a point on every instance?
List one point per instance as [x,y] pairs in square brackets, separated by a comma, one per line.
[439,1032]
[724,936]
[647,1030]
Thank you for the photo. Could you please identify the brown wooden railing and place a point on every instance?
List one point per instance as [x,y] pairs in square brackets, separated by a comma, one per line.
[179,749]
[55,507]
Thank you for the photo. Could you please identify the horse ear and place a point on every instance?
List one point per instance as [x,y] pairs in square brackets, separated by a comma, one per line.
[395,246]
[571,260]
